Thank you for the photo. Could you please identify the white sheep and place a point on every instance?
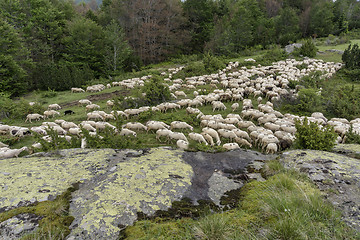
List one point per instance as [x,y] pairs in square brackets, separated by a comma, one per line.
[54,106]
[39,130]
[94,116]
[231,146]
[213,133]
[135,126]
[225,133]
[271,148]
[92,107]
[155,125]
[182,144]
[241,133]
[243,142]
[12,152]
[50,113]
[34,116]
[163,133]
[208,138]
[234,106]
[197,137]
[217,105]
[85,102]
[127,132]
[178,136]
[77,90]
[180,125]
[75,131]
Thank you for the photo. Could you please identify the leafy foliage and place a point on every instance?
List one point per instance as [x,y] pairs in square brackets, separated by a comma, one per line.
[308,49]
[351,58]
[156,91]
[310,136]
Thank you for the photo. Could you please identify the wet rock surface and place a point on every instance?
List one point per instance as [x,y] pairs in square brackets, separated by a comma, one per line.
[338,176]
[116,185]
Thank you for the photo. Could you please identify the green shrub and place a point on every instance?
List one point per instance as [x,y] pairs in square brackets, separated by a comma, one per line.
[308,49]
[212,64]
[156,91]
[351,57]
[310,136]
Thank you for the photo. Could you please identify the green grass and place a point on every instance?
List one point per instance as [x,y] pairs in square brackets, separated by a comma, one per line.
[286,206]
[341,47]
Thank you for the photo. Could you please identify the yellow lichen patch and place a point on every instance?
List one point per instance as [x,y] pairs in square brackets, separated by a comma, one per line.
[36,178]
[143,184]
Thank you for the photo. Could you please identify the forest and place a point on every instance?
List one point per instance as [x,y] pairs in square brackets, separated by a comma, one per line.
[58,44]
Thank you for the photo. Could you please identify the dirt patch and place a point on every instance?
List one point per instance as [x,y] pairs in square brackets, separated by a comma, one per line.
[98,97]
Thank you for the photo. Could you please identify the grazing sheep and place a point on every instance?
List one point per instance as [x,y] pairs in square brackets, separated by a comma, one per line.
[50,113]
[89,127]
[180,125]
[39,130]
[243,142]
[208,138]
[178,136]
[54,106]
[231,146]
[155,125]
[77,90]
[94,116]
[217,105]
[182,144]
[127,132]
[213,133]
[241,133]
[75,131]
[12,152]
[110,103]
[234,106]
[85,102]
[3,145]
[135,126]
[163,133]
[92,107]
[34,116]
[226,134]
[271,148]
[197,137]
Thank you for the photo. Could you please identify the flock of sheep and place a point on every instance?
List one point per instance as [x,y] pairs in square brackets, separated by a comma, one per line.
[260,126]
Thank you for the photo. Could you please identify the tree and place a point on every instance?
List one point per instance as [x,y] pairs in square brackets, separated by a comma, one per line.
[13,61]
[287,26]
[117,50]
[200,22]
[321,17]
[153,27]
[85,45]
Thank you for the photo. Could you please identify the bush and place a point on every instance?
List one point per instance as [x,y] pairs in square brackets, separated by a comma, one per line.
[156,91]
[308,49]
[212,64]
[310,136]
[351,57]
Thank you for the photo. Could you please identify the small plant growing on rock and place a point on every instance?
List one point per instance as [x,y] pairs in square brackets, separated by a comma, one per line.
[310,136]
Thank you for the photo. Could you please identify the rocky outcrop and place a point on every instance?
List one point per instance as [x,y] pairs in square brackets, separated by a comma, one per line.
[115,185]
[337,175]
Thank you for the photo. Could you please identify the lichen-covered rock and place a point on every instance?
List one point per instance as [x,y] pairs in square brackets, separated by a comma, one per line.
[18,225]
[40,178]
[145,184]
[337,175]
